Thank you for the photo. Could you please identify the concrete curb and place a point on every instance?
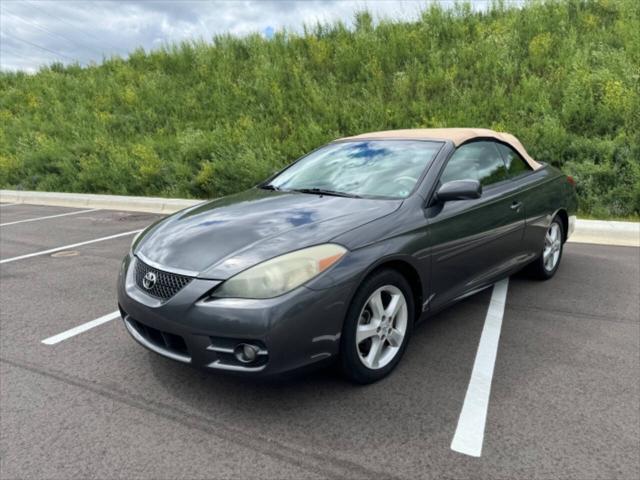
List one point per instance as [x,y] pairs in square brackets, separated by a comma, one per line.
[107,202]
[586,231]
[625,234]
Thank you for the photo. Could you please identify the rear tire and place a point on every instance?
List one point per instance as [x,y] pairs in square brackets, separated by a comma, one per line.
[546,265]
[377,328]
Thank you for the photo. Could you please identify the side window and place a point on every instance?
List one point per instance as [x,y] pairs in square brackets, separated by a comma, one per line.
[515,163]
[476,161]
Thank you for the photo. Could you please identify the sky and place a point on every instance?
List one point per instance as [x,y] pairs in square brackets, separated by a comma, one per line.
[38,32]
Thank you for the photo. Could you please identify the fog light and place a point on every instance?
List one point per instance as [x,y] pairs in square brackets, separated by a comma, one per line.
[245,352]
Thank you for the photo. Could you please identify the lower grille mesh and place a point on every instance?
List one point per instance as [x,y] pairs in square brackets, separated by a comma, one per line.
[158,283]
[169,341]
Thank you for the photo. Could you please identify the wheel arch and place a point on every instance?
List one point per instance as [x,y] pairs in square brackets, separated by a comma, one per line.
[564,218]
[408,271]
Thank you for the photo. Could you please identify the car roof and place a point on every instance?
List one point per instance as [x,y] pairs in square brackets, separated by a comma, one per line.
[456,135]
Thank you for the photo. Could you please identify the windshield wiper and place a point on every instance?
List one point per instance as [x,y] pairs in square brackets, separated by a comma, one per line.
[322,191]
[268,186]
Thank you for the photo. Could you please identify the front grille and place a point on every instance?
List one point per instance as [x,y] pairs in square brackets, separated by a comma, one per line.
[166,284]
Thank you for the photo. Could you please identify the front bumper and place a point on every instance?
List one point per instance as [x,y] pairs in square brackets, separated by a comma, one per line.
[291,331]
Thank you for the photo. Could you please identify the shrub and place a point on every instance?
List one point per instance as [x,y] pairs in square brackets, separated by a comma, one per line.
[202,119]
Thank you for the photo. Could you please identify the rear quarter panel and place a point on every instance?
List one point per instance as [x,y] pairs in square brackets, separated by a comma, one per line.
[544,193]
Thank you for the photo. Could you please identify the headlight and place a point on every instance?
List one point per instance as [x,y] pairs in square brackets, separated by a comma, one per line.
[281,274]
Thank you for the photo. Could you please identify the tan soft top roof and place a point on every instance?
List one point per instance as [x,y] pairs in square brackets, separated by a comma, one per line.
[457,135]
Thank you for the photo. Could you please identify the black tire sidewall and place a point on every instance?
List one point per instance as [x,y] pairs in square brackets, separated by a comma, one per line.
[350,362]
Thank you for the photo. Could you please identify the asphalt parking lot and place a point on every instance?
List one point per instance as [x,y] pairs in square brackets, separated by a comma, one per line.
[565,395]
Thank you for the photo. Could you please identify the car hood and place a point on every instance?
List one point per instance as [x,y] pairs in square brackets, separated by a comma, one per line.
[220,238]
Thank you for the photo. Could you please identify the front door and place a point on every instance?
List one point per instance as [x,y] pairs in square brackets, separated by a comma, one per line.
[473,241]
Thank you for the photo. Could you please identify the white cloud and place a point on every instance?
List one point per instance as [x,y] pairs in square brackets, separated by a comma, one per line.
[35,32]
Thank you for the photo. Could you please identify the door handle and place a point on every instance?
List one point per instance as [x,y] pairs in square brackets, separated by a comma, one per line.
[516,206]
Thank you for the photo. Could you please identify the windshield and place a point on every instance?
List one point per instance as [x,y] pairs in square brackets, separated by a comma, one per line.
[378,168]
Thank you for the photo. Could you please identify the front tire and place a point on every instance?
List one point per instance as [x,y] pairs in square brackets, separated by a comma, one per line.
[377,328]
[547,264]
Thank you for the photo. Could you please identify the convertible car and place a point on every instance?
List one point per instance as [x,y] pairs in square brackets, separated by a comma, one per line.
[341,253]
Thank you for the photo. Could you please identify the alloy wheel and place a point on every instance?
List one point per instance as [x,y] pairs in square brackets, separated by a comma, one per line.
[552,247]
[382,326]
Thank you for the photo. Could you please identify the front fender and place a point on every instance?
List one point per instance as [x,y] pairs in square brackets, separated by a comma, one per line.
[359,264]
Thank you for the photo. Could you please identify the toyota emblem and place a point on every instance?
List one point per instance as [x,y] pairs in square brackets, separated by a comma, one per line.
[149,280]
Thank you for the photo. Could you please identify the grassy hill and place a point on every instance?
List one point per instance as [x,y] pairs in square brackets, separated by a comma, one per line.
[207,119]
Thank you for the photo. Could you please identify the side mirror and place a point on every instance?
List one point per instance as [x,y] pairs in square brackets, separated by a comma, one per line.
[459,190]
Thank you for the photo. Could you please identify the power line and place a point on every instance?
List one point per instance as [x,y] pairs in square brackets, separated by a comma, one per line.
[33,24]
[39,46]
[100,41]
[21,55]
[4,51]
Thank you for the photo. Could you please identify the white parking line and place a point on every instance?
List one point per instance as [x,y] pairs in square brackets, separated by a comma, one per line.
[67,247]
[81,328]
[48,216]
[470,430]
[8,204]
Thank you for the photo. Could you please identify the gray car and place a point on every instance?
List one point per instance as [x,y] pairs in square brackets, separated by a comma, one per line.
[340,254]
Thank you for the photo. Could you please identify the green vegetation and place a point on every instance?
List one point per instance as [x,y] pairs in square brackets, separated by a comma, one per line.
[208,119]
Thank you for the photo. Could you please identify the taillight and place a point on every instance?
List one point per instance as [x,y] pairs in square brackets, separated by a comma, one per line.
[571,180]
